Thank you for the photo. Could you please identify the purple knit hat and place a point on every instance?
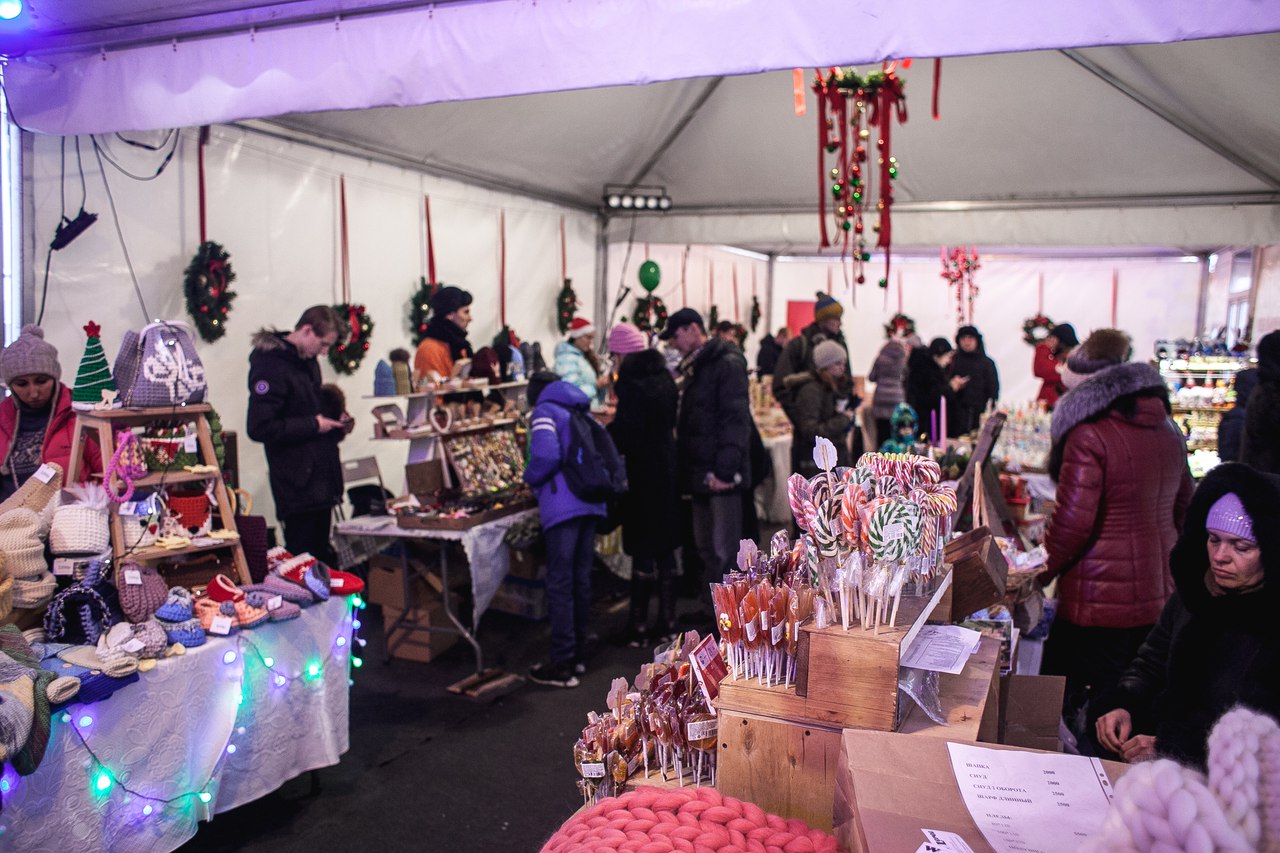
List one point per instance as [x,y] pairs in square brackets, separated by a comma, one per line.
[626,338]
[1227,515]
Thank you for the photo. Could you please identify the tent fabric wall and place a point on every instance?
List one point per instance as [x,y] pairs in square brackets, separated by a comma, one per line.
[274,206]
[1157,299]
[457,51]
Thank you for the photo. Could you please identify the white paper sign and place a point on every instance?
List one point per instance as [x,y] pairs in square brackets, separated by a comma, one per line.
[592,770]
[942,648]
[1031,802]
[334,583]
[699,729]
[937,841]
[189,442]
[779,631]
[274,602]
[133,576]
[45,473]
[752,629]
[134,645]
[206,542]
[64,567]
[220,625]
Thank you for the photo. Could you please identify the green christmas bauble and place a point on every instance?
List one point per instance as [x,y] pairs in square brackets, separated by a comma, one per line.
[650,276]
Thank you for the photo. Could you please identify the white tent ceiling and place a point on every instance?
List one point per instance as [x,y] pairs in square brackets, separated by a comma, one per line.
[1155,145]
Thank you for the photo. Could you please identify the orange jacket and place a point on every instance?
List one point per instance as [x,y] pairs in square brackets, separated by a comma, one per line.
[432,355]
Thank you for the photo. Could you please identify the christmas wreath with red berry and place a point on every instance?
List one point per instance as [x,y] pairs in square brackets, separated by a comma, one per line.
[346,357]
[207,286]
[900,325]
[1036,329]
[650,314]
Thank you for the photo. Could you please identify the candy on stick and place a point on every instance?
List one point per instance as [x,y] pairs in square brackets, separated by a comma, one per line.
[799,494]
[748,555]
[779,543]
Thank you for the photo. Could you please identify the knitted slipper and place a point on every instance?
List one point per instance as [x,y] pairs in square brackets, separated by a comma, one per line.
[112,649]
[344,583]
[283,610]
[222,588]
[86,657]
[153,637]
[276,557]
[248,616]
[207,610]
[306,571]
[286,589]
[188,633]
[63,689]
[177,607]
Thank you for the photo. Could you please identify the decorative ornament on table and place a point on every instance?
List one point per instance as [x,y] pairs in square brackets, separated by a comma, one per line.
[346,357]
[207,286]
[849,105]
[958,268]
[754,321]
[900,325]
[1036,329]
[420,308]
[566,306]
[94,388]
[650,314]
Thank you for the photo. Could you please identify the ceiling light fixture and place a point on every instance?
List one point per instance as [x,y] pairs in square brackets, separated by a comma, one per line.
[636,197]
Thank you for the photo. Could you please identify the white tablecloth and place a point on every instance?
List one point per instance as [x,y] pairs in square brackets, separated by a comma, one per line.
[486,553]
[771,495]
[170,735]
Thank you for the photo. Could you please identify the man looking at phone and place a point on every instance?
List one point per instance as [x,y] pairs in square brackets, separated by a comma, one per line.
[285,405]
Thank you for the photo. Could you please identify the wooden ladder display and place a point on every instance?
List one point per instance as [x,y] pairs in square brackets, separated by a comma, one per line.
[104,423]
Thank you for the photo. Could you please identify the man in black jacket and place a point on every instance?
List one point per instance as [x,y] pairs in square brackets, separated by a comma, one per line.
[713,434]
[301,444]
[981,382]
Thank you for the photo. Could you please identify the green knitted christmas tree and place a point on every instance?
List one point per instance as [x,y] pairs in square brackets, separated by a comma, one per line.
[94,376]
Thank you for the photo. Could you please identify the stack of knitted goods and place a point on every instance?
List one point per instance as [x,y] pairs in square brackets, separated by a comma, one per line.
[80,526]
[1161,805]
[22,542]
[177,617]
[26,694]
[683,819]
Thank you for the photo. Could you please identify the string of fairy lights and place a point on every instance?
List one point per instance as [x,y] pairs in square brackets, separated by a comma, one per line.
[103,781]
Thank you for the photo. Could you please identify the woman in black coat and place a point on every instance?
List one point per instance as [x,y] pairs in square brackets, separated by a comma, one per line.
[1217,644]
[927,381]
[644,431]
[979,385]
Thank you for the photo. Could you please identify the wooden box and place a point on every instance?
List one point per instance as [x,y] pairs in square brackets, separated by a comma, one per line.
[844,678]
[420,521]
[413,643]
[979,571]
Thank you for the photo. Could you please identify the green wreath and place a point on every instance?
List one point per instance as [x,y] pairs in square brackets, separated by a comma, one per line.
[755,313]
[646,306]
[207,285]
[566,306]
[1036,329]
[900,324]
[346,357]
[420,308]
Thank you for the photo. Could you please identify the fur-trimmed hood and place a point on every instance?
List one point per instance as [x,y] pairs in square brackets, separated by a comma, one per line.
[1189,562]
[1099,393]
[269,340]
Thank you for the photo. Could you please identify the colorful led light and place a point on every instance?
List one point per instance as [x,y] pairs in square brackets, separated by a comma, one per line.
[228,656]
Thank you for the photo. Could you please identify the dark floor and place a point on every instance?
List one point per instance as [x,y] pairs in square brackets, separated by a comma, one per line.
[428,770]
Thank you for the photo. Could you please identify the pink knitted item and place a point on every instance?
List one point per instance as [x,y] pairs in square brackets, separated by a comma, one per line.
[649,820]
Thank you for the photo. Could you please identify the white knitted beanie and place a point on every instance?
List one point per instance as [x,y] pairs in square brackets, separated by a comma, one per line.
[21,545]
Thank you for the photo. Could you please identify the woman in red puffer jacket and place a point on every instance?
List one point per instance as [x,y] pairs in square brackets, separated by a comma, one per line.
[1123,489]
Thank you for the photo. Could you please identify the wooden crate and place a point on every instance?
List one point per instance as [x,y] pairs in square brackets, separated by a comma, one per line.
[789,767]
[979,571]
[844,678]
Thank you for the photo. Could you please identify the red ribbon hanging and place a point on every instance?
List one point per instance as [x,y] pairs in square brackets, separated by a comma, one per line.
[711,283]
[824,98]
[828,280]
[353,313]
[431,246]
[937,85]
[890,103]
[564,255]
[753,281]
[502,266]
[345,248]
[899,291]
[684,288]
[204,140]
[735,293]
[1040,297]
[1115,295]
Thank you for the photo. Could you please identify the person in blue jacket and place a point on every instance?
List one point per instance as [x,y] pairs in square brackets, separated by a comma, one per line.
[577,363]
[569,524]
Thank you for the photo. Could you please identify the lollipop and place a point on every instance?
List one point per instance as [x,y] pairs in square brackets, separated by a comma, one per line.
[799,494]
[894,530]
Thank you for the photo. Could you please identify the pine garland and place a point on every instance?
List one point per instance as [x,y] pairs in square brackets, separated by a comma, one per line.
[755,313]
[900,324]
[650,314]
[420,309]
[207,287]
[566,306]
[346,357]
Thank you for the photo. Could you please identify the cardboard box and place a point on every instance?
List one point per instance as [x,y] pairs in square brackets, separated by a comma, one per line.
[418,645]
[891,786]
[386,586]
[525,565]
[1030,709]
[521,597]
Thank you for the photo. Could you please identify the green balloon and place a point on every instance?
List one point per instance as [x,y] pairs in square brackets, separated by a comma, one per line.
[650,275]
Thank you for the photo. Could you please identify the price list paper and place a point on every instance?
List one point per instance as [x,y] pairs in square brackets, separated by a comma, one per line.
[1029,802]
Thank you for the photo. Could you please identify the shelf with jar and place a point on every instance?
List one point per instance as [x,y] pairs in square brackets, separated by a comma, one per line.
[1201,389]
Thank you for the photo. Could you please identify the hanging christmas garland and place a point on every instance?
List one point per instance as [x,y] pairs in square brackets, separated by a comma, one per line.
[346,357]
[1036,329]
[900,324]
[755,313]
[646,306]
[566,306]
[420,308]
[713,318]
[207,285]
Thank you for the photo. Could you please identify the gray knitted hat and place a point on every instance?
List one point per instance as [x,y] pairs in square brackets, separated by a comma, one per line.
[29,355]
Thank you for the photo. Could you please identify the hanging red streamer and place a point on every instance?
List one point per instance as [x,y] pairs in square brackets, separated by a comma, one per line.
[1115,295]
[344,247]
[735,293]
[502,266]
[937,85]
[1040,297]
[820,88]
[684,268]
[431,246]
[753,281]
[564,256]
[711,283]
[204,140]
[899,291]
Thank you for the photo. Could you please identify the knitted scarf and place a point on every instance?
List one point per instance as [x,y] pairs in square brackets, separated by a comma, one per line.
[443,329]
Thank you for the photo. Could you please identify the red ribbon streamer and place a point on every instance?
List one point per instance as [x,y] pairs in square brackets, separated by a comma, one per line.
[899,291]
[431,246]
[564,256]
[823,103]
[1115,294]
[502,266]
[735,293]
[937,85]
[346,251]
[753,281]
[684,267]
[828,281]
[1040,297]
[204,140]
[353,314]
[711,282]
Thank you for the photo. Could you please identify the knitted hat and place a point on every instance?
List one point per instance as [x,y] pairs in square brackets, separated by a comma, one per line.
[579,327]
[20,542]
[31,593]
[1102,349]
[384,381]
[29,355]
[142,599]
[1228,515]
[939,347]
[87,658]
[448,299]
[152,636]
[828,354]
[35,494]
[827,308]
[625,338]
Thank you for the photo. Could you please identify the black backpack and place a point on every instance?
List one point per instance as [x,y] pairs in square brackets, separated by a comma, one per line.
[592,466]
